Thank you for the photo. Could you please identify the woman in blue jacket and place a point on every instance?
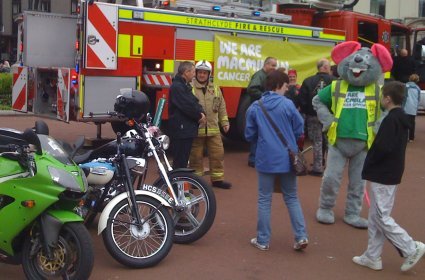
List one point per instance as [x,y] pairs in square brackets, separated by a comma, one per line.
[272,158]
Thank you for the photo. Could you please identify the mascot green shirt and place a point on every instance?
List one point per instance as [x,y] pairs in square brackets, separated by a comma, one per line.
[353,120]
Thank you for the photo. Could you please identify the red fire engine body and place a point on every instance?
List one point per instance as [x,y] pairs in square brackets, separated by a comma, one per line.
[144,47]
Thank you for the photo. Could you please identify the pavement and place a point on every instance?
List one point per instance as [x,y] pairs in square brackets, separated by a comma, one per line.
[225,251]
[14,113]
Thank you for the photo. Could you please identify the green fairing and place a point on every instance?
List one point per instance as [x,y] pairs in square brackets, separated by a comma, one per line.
[18,217]
[65,216]
[9,167]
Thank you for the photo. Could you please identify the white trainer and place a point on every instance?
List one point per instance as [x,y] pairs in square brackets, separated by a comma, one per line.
[255,243]
[365,261]
[413,259]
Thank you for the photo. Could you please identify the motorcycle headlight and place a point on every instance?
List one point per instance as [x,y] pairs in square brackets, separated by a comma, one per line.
[65,179]
[165,141]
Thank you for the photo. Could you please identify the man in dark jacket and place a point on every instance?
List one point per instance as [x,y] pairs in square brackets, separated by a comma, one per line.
[255,90]
[404,66]
[185,114]
[309,89]
[383,167]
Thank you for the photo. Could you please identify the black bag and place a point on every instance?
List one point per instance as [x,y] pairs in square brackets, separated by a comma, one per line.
[298,163]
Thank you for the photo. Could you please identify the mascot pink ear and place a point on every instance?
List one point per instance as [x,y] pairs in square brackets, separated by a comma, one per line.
[343,50]
[383,56]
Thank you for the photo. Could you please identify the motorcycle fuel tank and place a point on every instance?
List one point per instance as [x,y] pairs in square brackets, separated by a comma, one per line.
[100,172]
[129,147]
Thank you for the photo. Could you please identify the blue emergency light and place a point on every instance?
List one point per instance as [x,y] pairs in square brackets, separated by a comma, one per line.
[256,13]
[216,8]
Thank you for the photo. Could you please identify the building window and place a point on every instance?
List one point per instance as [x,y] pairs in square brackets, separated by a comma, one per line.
[74,5]
[1,18]
[39,5]
[16,7]
[421,8]
[45,6]
[377,7]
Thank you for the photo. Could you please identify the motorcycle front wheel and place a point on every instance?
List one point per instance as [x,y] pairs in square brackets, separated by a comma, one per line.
[198,199]
[139,246]
[73,255]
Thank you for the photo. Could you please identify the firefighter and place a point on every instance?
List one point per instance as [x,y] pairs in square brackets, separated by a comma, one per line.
[213,103]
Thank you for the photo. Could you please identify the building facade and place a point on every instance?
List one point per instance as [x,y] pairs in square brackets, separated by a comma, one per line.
[10,9]
[409,11]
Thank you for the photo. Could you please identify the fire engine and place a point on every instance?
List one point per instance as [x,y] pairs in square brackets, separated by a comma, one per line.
[140,46]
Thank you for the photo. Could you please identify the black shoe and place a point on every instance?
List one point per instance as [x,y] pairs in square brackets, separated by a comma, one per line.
[251,164]
[315,173]
[222,184]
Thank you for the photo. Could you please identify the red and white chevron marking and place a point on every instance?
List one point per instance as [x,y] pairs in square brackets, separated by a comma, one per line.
[19,91]
[161,80]
[101,36]
[63,92]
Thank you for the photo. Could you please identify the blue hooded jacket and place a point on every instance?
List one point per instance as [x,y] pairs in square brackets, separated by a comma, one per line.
[271,155]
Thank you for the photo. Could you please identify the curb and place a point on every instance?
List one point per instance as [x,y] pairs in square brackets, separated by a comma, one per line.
[15,113]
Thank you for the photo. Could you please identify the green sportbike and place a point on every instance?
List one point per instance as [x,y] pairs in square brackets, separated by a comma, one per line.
[39,189]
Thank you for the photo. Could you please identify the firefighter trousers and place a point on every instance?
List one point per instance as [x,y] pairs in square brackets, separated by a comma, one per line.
[215,151]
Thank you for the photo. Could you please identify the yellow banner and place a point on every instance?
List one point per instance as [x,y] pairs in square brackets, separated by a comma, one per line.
[236,59]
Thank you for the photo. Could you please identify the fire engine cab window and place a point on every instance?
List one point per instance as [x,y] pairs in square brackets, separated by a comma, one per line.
[377,7]
[368,33]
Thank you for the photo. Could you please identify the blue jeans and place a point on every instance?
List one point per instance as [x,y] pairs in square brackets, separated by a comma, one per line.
[290,196]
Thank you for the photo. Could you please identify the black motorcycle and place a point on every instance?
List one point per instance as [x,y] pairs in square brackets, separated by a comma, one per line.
[192,200]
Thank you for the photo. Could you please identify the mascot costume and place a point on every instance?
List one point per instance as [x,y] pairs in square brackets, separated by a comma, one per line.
[349,109]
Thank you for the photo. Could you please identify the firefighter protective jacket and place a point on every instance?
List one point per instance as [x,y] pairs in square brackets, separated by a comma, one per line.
[212,101]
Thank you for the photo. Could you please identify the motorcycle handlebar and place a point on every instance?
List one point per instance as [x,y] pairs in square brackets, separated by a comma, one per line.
[8,148]
[118,138]
[108,113]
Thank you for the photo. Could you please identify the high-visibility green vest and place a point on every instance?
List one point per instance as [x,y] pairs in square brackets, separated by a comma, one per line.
[339,90]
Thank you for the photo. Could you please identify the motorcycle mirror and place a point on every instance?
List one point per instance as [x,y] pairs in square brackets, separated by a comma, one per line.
[118,138]
[31,138]
[78,144]
[41,127]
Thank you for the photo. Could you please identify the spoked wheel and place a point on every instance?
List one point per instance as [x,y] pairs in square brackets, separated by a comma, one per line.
[72,256]
[139,245]
[199,206]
